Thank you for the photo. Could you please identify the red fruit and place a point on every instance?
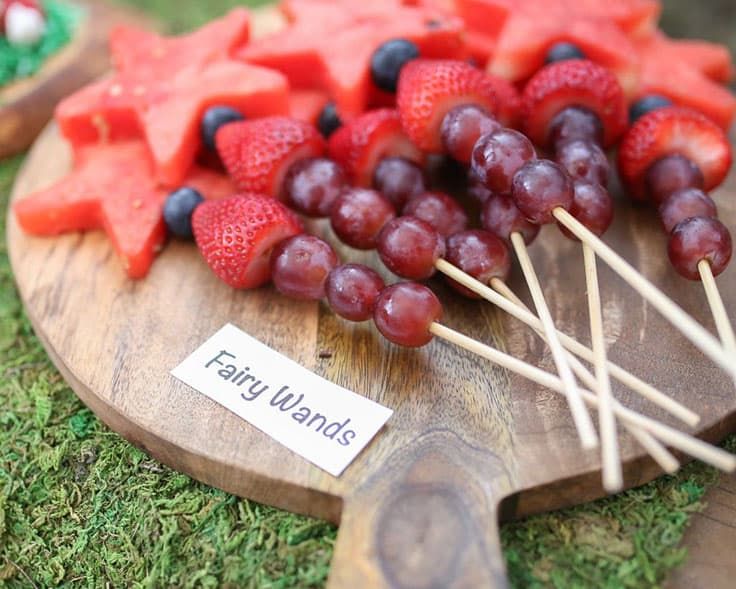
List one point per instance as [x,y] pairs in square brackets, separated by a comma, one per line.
[114,188]
[673,130]
[163,86]
[687,79]
[328,44]
[236,235]
[257,153]
[306,105]
[429,89]
[576,82]
[361,144]
[35,4]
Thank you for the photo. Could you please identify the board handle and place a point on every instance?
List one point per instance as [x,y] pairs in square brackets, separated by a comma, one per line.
[428,521]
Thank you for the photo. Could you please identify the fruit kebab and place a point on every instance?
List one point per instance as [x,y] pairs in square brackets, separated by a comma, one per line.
[549,92]
[408,314]
[671,157]
[316,186]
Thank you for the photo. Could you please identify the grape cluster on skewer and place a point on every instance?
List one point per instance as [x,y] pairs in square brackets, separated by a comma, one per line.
[519,192]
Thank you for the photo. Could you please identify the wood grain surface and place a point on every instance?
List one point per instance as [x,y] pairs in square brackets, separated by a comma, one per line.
[26,106]
[468,442]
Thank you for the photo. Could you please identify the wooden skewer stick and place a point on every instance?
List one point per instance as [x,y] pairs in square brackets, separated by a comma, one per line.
[502,296]
[580,415]
[690,328]
[696,448]
[723,323]
[611,459]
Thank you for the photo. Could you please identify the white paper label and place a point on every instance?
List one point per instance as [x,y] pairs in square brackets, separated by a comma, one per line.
[322,422]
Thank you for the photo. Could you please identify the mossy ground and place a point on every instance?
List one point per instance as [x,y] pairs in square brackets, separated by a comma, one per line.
[80,507]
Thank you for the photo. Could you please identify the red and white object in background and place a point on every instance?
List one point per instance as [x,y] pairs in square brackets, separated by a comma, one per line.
[22,21]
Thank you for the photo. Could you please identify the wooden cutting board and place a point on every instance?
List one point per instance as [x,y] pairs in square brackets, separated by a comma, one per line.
[27,105]
[468,442]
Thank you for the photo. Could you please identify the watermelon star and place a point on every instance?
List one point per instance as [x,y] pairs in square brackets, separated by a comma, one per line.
[163,99]
[515,35]
[113,188]
[688,73]
[328,45]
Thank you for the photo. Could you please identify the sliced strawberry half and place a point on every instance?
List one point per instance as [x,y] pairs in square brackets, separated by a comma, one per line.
[668,131]
[576,82]
[429,89]
[236,236]
[257,153]
[362,143]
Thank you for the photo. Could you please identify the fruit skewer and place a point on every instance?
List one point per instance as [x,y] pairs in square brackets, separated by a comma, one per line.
[670,157]
[580,82]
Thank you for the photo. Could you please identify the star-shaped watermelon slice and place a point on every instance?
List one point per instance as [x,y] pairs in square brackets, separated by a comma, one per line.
[689,73]
[163,89]
[113,188]
[515,35]
[328,44]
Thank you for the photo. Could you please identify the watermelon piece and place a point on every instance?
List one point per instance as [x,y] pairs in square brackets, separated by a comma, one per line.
[114,188]
[306,105]
[512,37]
[328,45]
[680,71]
[167,110]
[150,55]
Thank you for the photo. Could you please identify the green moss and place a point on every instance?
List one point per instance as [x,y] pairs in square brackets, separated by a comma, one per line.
[23,61]
[80,507]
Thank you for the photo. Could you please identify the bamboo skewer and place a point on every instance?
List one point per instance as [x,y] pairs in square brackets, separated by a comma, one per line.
[723,323]
[509,302]
[611,459]
[580,415]
[690,328]
[696,448]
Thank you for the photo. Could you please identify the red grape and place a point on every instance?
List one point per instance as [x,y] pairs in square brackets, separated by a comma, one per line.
[479,253]
[358,215]
[300,265]
[584,160]
[404,313]
[498,155]
[410,247]
[438,209]
[352,290]
[592,205]
[398,179]
[502,217]
[575,122]
[671,173]
[540,187]
[683,204]
[696,239]
[462,127]
[312,185]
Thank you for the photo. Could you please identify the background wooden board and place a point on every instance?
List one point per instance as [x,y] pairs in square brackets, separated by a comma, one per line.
[28,104]
[419,506]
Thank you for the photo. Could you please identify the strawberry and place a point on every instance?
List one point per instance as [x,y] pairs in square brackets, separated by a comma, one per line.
[575,82]
[236,235]
[429,89]
[508,101]
[673,130]
[258,152]
[362,143]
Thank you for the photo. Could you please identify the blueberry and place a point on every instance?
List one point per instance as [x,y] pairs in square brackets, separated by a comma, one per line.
[563,51]
[329,121]
[647,104]
[178,210]
[388,60]
[214,118]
